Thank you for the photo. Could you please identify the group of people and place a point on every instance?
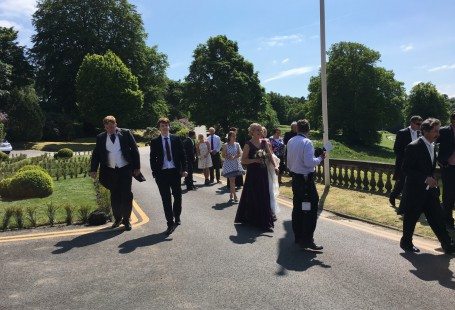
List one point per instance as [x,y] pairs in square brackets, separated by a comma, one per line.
[418,149]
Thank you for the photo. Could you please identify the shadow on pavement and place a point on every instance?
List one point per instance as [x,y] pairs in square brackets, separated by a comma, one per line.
[131,245]
[292,257]
[430,267]
[247,234]
[223,205]
[87,239]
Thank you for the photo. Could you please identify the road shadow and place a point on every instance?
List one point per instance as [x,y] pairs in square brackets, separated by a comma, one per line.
[430,267]
[131,245]
[247,234]
[87,239]
[292,257]
[223,205]
[222,190]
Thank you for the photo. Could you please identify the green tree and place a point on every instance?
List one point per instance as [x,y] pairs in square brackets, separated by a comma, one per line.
[26,119]
[67,30]
[175,98]
[359,94]
[426,101]
[223,89]
[105,86]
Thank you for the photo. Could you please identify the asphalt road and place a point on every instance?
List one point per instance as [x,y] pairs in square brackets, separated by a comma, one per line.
[210,263]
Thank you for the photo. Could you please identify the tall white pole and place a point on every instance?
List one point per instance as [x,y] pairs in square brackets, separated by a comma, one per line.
[325,119]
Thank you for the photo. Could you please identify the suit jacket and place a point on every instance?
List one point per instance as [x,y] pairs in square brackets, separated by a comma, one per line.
[157,154]
[99,155]
[417,166]
[402,139]
[288,136]
[190,149]
[446,142]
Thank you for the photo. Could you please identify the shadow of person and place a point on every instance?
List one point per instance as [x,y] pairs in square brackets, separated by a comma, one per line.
[87,239]
[131,245]
[223,205]
[292,257]
[222,190]
[247,234]
[430,267]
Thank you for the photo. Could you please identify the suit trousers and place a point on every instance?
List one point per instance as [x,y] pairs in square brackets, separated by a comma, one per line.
[169,180]
[121,195]
[433,212]
[189,178]
[216,161]
[304,222]
[448,193]
[397,187]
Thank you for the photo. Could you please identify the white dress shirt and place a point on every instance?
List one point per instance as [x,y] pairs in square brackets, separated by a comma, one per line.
[300,155]
[430,148]
[216,143]
[414,135]
[115,157]
[167,164]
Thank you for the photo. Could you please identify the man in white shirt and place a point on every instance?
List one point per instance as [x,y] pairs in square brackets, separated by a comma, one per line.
[117,156]
[301,163]
[215,148]
[421,192]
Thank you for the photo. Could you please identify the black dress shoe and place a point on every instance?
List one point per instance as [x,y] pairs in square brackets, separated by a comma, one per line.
[392,201]
[128,226]
[311,246]
[116,223]
[449,249]
[177,222]
[409,247]
[169,230]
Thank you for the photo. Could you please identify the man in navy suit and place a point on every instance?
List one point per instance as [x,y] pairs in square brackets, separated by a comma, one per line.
[402,139]
[421,192]
[169,165]
[117,156]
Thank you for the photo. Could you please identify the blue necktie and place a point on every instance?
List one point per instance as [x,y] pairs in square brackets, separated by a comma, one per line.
[168,149]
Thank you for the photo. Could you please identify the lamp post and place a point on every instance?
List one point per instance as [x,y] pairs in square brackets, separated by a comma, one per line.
[325,119]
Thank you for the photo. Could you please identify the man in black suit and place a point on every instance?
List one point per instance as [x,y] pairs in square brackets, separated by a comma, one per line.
[402,139]
[168,163]
[290,134]
[190,151]
[117,155]
[421,192]
[446,159]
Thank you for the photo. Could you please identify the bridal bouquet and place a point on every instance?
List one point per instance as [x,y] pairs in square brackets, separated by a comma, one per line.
[262,155]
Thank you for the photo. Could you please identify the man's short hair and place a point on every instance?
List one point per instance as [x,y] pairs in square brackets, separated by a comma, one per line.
[429,124]
[416,118]
[293,123]
[212,128]
[191,133]
[275,130]
[163,120]
[303,126]
[109,120]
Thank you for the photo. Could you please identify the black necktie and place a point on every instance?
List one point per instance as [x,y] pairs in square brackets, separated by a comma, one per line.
[211,143]
[168,149]
[418,133]
[112,136]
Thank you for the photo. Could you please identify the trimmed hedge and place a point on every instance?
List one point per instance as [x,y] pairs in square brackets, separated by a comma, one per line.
[30,184]
[4,187]
[64,153]
[32,167]
[3,156]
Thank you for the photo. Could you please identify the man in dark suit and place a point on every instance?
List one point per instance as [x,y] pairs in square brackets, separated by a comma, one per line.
[117,155]
[290,134]
[402,139]
[190,151]
[168,163]
[446,159]
[421,192]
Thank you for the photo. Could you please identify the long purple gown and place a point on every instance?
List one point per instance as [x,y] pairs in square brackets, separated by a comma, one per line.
[254,206]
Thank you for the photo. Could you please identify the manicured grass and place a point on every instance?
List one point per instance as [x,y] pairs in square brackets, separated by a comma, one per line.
[75,192]
[361,205]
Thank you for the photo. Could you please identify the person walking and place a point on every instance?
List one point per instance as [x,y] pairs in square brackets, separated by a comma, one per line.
[215,148]
[204,158]
[190,152]
[231,166]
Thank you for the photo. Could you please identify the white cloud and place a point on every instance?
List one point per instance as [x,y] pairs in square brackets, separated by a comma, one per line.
[415,83]
[288,73]
[407,47]
[17,7]
[8,24]
[285,61]
[281,40]
[442,68]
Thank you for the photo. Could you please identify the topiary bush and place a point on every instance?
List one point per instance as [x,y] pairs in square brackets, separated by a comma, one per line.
[64,153]
[4,187]
[30,184]
[32,167]
[3,156]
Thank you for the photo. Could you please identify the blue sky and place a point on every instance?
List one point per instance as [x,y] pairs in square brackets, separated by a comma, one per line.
[416,38]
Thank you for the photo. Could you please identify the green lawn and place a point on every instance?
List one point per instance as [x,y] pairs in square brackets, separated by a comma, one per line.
[75,192]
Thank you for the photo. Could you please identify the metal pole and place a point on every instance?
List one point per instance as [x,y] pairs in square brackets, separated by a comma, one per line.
[325,120]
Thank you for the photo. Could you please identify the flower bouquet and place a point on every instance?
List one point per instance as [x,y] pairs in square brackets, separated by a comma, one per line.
[262,155]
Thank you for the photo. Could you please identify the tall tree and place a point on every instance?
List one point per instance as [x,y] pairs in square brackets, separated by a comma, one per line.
[105,86]
[67,30]
[426,101]
[358,93]
[223,89]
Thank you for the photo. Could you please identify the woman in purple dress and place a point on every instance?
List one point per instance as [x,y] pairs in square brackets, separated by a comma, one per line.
[254,207]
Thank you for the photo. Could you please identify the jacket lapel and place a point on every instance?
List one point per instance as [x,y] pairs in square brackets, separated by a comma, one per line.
[426,152]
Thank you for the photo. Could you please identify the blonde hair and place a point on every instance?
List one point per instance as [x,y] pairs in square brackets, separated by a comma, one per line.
[253,127]
[109,120]
[264,132]
[200,137]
